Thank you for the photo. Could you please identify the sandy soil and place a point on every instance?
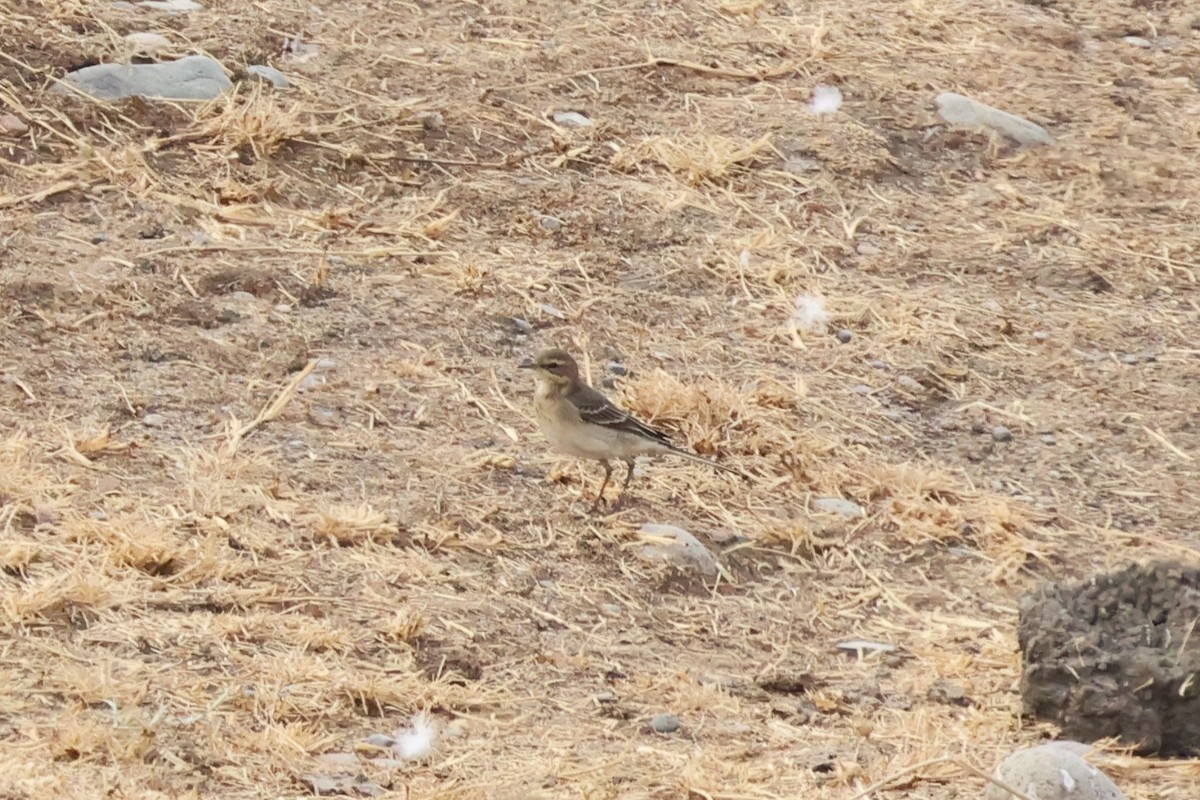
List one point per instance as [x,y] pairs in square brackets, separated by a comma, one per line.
[268,477]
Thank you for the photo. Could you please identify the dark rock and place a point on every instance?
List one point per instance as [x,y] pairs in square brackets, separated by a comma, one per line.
[1117,655]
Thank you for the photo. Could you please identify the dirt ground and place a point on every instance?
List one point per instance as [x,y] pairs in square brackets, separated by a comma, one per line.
[269,481]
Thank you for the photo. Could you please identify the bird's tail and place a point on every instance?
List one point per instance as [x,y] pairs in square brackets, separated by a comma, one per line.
[709,462]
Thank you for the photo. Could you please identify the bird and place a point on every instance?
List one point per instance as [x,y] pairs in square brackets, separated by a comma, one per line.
[579,421]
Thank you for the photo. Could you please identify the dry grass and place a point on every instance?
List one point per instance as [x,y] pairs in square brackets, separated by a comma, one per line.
[268,480]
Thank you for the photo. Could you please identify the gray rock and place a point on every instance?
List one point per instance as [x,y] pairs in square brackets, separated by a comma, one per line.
[572,119]
[665,723]
[836,505]
[1054,771]
[551,223]
[1137,41]
[958,109]
[154,420]
[380,740]
[1129,358]
[844,336]
[268,75]
[1002,434]
[172,6]
[678,546]
[191,78]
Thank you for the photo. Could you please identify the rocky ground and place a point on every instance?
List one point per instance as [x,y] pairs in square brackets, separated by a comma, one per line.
[273,510]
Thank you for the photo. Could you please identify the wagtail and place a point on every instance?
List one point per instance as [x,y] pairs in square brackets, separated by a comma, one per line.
[579,421]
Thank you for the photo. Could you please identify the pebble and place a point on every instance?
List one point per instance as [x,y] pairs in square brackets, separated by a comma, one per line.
[190,78]
[1129,358]
[522,325]
[1002,434]
[1137,41]
[572,119]
[1041,336]
[680,548]
[617,368]
[867,249]
[1048,438]
[665,723]
[844,336]
[11,125]
[551,223]
[836,505]
[325,364]
[154,420]
[172,6]
[1053,771]
[268,75]
[380,740]
[959,109]
[148,43]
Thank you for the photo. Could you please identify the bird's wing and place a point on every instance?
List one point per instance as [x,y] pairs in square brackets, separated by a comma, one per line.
[597,409]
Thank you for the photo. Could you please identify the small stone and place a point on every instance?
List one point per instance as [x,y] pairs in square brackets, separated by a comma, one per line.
[1048,438]
[1054,771]
[1040,336]
[799,166]
[723,536]
[959,109]
[617,368]
[154,420]
[572,119]
[380,740]
[910,383]
[1002,434]
[551,223]
[99,238]
[1129,358]
[948,692]
[553,311]
[522,325]
[323,417]
[867,249]
[147,43]
[11,125]
[866,645]
[171,6]
[269,75]
[325,364]
[665,723]
[190,78]
[1137,41]
[836,505]
[678,546]
[844,336]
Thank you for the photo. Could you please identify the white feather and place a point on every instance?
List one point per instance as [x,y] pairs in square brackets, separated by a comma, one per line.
[826,99]
[416,741]
[810,313]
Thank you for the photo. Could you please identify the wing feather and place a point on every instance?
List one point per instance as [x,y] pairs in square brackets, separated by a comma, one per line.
[597,409]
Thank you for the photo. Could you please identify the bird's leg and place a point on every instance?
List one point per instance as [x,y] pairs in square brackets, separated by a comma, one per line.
[625,486]
[603,485]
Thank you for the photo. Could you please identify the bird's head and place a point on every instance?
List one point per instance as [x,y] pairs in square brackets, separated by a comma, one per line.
[554,366]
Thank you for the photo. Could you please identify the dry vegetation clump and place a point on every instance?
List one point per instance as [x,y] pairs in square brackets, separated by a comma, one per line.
[269,483]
